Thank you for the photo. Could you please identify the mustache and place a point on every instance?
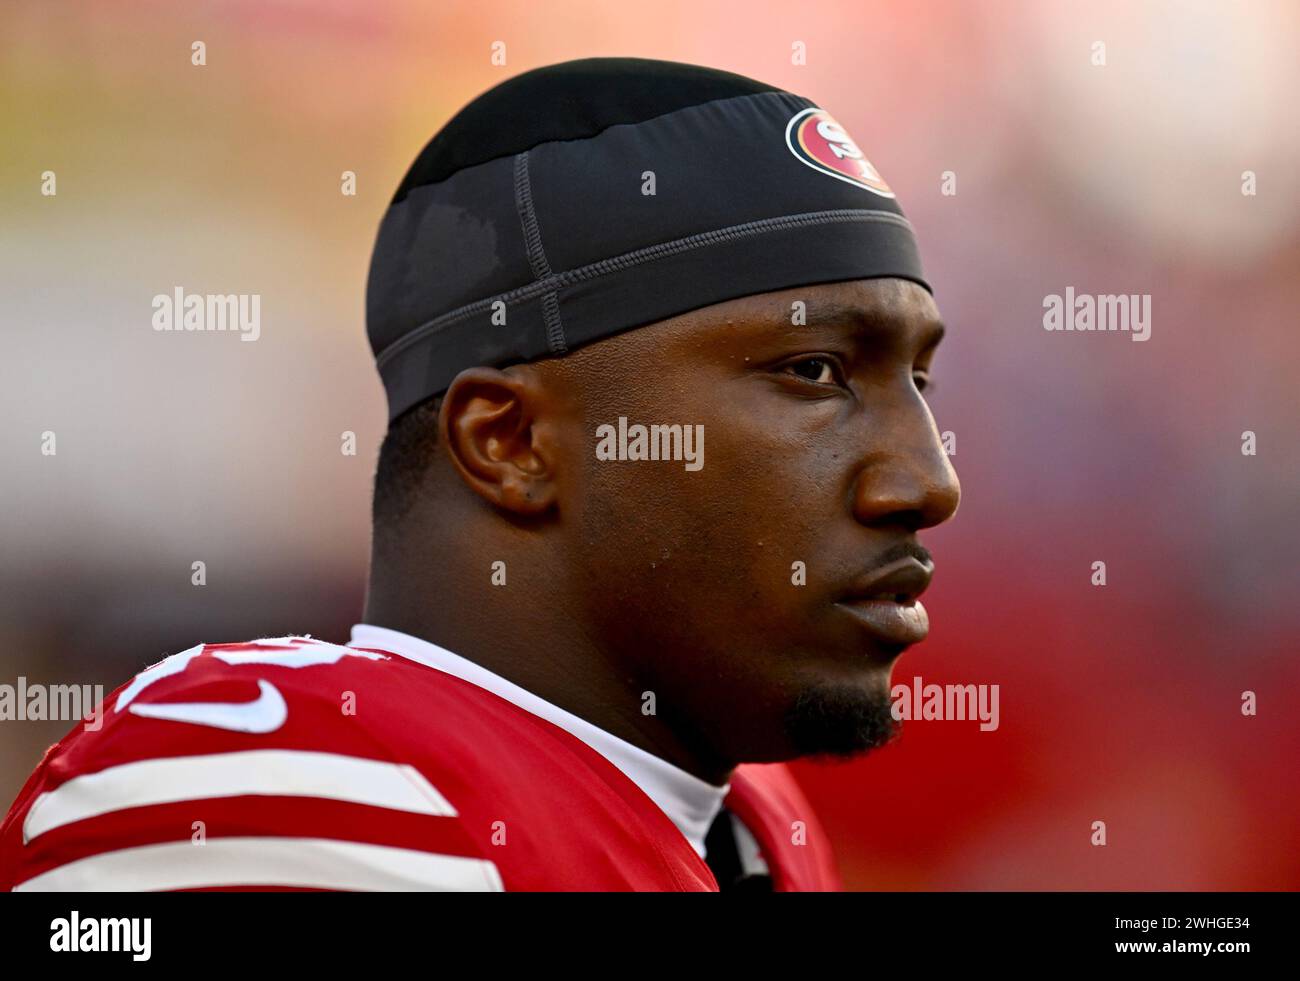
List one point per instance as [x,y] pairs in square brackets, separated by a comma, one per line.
[903,550]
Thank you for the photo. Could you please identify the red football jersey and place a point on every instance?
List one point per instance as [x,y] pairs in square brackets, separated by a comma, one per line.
[292,763]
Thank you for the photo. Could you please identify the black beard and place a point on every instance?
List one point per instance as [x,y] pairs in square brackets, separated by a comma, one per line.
[840,720]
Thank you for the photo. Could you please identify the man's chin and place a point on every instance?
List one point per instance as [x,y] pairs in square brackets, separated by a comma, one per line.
[840,719]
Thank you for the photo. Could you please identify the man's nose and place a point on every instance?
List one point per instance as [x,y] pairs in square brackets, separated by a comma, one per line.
[907,478]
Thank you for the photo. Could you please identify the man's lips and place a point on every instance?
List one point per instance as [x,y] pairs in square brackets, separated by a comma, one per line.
[886,601]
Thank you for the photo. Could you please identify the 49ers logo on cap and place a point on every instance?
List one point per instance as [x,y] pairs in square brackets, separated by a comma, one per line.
[819,141]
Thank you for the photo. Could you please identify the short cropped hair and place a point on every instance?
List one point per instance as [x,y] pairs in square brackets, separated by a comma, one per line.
[404,458]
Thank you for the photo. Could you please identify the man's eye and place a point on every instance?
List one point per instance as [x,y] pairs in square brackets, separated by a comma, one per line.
[819,370]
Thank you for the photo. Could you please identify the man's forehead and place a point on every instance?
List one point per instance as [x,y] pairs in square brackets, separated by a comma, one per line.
[898,310]
[854,303]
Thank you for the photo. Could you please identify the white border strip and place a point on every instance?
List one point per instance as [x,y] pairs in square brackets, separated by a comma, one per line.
[310,863]
[265,772]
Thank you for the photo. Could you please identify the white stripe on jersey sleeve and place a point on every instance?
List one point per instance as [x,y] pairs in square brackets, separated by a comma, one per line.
[751,858]
[311,863]
[273,772]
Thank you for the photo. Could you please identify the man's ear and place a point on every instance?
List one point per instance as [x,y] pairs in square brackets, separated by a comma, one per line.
[487,426]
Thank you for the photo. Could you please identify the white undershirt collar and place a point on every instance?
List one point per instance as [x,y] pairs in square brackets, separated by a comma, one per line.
[689,802]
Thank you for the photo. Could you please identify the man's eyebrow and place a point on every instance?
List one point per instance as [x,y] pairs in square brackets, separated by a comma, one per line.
[836,313]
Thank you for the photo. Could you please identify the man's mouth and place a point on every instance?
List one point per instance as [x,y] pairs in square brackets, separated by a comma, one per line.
[886,601]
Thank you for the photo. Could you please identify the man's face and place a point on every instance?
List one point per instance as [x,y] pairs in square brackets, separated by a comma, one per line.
[764,597]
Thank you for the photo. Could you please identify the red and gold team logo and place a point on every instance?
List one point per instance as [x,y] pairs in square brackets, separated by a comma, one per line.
[819,141]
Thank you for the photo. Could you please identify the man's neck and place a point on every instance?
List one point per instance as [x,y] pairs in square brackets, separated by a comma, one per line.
[561,670]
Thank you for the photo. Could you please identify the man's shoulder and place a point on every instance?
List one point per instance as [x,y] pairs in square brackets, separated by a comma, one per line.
[407,775]
[772,805]
[305,694]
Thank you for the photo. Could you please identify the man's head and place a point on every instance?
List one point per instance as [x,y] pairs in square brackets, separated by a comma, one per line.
[702,529]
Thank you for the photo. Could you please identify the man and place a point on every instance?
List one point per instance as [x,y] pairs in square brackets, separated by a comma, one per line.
[591,634]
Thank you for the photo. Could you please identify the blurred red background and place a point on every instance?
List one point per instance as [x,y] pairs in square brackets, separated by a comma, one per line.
[1119,703]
